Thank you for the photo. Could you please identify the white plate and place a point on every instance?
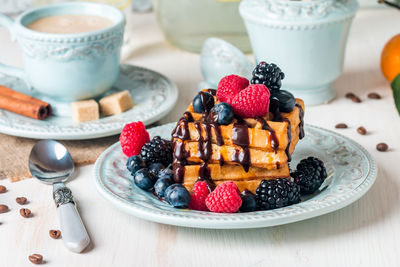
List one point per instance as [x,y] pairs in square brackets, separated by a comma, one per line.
[351,169]
[153,94]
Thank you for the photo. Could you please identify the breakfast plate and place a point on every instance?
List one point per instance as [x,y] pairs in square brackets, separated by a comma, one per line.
[153,96]
[351,169]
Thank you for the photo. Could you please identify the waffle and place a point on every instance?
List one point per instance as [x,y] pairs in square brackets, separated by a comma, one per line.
[249,185]
[258,138]
[234,172]
[245,151]
[226,154]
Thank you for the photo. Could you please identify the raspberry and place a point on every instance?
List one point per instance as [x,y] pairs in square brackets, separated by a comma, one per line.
[229,86]
[225,198]
[198,198]
[133,137]
[251,102]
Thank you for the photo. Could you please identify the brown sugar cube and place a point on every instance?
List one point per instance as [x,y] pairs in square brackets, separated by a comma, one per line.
[116,103]
[86,110]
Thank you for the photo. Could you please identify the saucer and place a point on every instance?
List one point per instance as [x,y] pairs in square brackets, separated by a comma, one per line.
[351,169]
[153,96]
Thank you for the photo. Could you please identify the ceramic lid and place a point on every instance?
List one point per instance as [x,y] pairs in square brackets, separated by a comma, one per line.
[301,12]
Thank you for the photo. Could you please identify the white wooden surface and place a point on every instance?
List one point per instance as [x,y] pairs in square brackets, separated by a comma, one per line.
[366,233]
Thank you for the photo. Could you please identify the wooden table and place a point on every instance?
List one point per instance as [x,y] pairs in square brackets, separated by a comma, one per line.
[366,233]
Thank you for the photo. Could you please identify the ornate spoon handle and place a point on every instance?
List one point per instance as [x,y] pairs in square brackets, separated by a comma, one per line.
[73,231]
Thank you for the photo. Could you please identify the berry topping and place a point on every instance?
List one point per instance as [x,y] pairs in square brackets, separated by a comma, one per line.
[268,74]
[161,185]
[309,175]
[285,99]
[133,137]
[249,202]
[165,173]
[203,102]
[229,86]
[155,168]
[225,198]
[157,151]
[277,193]
[252,102]
[144,179]
[198,199]
[222,113]
[134,164]
[177,196]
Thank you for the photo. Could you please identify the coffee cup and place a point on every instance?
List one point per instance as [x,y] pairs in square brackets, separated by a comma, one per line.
[68,66]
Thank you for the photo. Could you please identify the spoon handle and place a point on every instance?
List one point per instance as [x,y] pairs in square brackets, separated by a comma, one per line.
[73,231]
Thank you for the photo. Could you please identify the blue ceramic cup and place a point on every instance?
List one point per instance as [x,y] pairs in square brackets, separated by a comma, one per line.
[68,67]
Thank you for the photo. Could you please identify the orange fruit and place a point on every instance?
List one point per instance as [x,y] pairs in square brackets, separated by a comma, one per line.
[390,58]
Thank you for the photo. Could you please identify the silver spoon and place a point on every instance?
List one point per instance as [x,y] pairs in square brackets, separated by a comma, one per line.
[51,163]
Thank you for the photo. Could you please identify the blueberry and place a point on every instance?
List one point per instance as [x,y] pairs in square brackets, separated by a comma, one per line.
[222,113]
[165,173]
[134,164]
[155,168]
[286,100]
[249,202]
[177,196]
[168,191]
[198,106]
[144,179]
[161,185]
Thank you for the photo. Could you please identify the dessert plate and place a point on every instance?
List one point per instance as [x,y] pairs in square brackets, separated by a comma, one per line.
[153,94]
[351,170]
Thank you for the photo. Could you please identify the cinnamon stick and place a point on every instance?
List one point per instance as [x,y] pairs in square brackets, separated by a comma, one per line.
[23,104]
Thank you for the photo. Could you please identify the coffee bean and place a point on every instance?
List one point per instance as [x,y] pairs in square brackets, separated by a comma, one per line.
[21,200]
[341,126]
[374,96]
[26,213]
[350,95]
[361,130]
[36,258]
[356,99]
[3,189]
[55,234]
[3,208]
[382,147]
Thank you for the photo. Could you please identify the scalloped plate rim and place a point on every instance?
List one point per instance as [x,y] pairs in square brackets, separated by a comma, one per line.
[166,107]
[235,221]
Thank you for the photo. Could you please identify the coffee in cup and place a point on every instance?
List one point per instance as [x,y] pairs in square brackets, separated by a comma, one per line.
[70,23]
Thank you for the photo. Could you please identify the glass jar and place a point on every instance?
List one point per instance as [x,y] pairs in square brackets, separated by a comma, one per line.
[188,23]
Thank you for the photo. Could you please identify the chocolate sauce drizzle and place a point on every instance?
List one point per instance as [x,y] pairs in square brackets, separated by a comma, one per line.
[178,165]
[181,130]
[274,109]
[301,124]
[188,116]
[240,137]
[204,145]
[289,134]
[212,92]
[272,139]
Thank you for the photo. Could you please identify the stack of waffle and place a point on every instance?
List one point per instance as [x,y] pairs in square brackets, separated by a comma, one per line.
[245,151]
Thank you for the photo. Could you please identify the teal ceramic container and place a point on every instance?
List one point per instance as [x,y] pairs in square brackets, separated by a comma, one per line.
[307,39]
[68,67]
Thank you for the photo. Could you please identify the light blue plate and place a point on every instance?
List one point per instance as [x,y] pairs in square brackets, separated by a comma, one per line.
[351,170]
[153,96]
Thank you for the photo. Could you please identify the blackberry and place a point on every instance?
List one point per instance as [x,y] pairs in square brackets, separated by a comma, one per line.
[157,151]
[268,74]
[309,175]
[277,193]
